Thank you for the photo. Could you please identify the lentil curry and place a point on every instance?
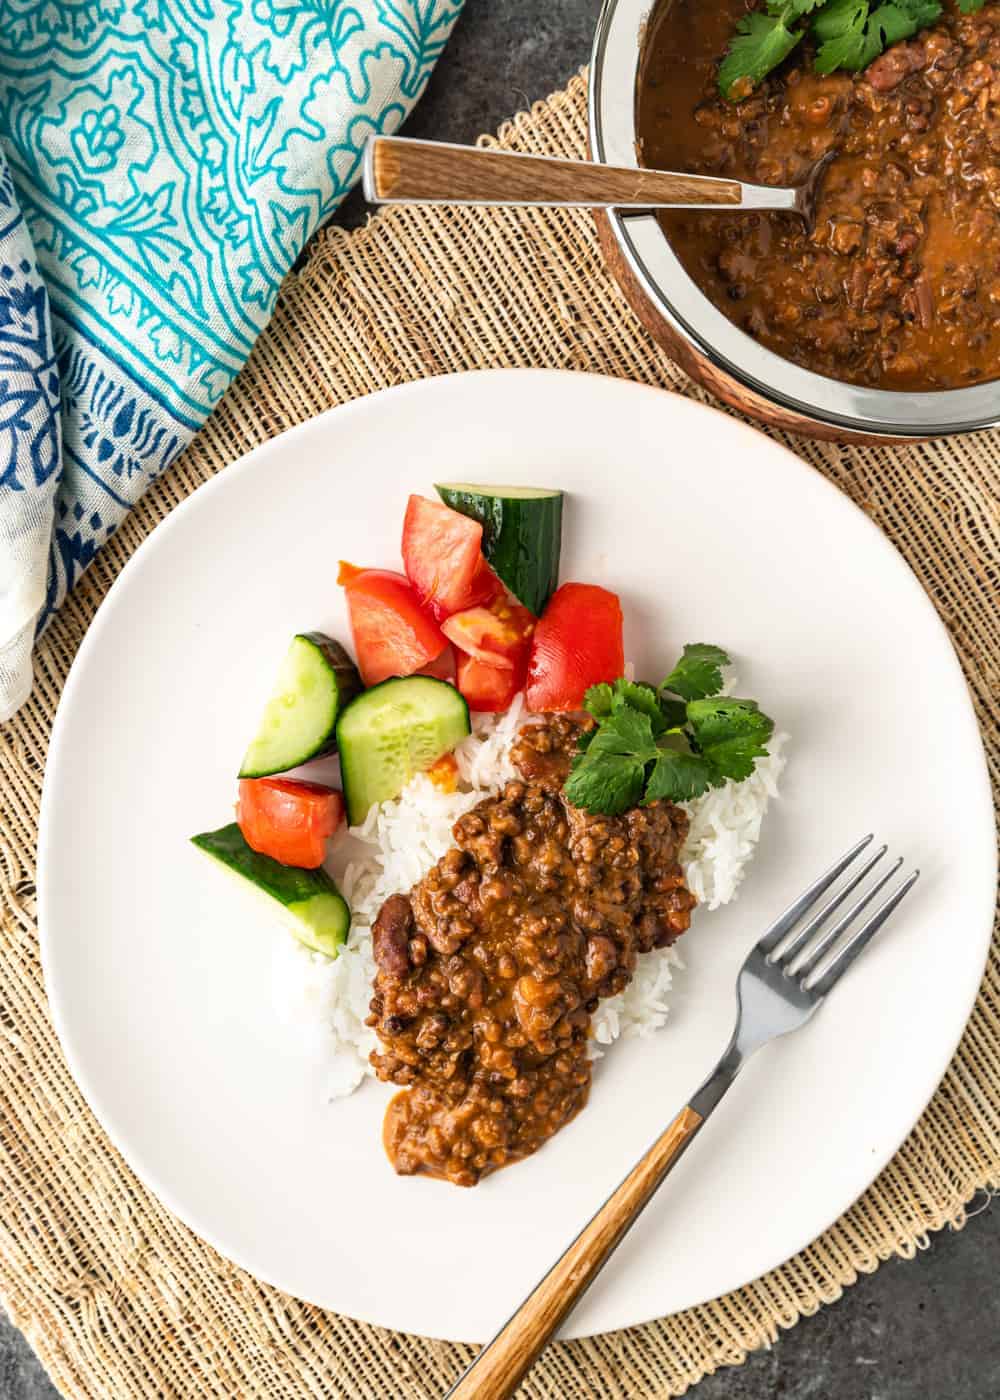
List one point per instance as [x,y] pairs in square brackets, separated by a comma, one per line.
[489,970]
[898,284]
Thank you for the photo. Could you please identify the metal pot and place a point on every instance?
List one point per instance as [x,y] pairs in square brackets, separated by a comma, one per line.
[708,346]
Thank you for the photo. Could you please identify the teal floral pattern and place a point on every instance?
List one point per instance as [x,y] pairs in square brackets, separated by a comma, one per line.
[165,161]
[98,138]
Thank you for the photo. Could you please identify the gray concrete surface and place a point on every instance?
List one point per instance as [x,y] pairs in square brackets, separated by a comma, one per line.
[923,1330]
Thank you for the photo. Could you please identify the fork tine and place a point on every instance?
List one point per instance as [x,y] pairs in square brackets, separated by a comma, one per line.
[862,938]
[809,930]
[828,939]
[787,921]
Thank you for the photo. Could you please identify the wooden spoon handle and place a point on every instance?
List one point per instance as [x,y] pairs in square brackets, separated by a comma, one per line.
[500,1366]
[402,171]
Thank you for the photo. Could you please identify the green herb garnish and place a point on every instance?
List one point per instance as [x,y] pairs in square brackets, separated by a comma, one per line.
[764,38]
[675,741]
[849,34]
[698,673]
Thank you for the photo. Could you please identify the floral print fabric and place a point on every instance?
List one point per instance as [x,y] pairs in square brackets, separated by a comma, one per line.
[162,164]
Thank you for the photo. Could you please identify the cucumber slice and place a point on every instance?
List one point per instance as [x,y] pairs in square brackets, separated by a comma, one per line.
[394,730]
[313,908]
[316,680]
[522,535]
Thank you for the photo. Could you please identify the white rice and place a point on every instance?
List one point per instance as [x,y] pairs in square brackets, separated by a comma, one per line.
[324,1003]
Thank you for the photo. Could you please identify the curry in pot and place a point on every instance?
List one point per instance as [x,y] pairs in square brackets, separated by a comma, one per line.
[898,284]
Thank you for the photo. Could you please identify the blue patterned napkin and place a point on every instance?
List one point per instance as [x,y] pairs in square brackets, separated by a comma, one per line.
[162,163]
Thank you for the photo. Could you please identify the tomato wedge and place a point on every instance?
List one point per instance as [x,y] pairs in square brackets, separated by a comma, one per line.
[347,571]
[497,635]
[577,643]
[442,556]
[442,668]
[393,634]
[486,587]
[288,820]
[489,689]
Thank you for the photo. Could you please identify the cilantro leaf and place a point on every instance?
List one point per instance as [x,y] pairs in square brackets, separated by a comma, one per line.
[609,774]
[793,9]
[898,19]
[760,43]
[646,746]
[598,700]
[730,735]
[929,11]
[842,27]
[678,777]
[721,716]
[606,783]
[603,700]
[889,18]
[674,712]
[642,698]
[698,673]
[969,7]
[837,17]
[852,34]
[626,732]
[583,744]
[852,50]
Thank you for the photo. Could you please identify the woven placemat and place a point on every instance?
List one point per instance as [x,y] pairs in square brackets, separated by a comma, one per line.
[117,1297]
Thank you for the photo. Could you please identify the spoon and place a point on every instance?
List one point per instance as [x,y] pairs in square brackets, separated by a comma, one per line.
[400,170]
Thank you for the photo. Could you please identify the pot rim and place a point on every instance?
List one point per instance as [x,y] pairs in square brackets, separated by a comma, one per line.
[614,71]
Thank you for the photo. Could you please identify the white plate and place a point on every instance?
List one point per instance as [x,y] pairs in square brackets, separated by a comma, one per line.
[157,969]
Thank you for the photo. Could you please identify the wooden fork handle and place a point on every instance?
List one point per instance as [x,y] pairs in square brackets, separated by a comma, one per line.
[403,171]
[502,1364]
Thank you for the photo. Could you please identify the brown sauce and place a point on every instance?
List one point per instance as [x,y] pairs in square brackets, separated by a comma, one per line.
[898,285]
[490,969]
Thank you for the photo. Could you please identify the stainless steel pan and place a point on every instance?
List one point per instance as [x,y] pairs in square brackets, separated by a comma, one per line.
[709,346]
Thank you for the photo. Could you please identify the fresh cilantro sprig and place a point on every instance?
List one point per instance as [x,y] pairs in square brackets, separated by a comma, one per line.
[849,34]
[675,741]
[698,673]
[852,33]
[764,38]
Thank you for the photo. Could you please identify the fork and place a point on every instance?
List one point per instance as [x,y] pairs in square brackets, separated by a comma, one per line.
[786,976]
